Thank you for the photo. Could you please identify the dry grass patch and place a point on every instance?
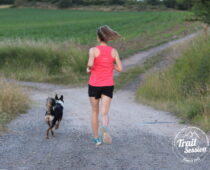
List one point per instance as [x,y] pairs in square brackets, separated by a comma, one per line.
[13,101]
[5,6]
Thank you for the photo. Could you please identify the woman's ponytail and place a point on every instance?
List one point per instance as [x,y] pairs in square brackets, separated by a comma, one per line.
[105,33]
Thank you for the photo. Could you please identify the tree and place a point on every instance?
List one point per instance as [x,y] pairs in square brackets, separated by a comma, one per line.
[170,3]
[152,2]
[96,2]
[65,3]
[78,2]
[20,2]
[6,2]
[201,9]
[118,2]
[185,4]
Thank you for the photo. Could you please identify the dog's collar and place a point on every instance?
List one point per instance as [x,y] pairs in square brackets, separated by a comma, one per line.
[60,102]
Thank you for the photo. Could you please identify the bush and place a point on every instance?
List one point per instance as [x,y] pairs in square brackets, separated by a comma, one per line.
[65,3]
[186,84]
[192,71]
[6,2]
[202,10]
[153,2]
[21,2]
[12,98]
[13,101]
[42,61]
[170,3]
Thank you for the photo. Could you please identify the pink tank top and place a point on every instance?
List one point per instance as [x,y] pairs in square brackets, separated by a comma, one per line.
[102,70]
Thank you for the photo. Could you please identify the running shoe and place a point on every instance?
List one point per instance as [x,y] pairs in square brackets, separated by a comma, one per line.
[97,141]
[106,136]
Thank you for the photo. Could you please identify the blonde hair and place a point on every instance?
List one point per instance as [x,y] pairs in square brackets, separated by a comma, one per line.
[105,33]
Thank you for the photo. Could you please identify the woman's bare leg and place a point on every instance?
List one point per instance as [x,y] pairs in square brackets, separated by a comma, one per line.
[94,117]
[105,119]
[106,101]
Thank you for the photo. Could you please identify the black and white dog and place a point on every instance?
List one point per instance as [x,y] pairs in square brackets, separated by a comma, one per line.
[54,113]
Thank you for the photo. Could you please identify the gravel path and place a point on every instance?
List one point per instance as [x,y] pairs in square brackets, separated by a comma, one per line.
[142,136]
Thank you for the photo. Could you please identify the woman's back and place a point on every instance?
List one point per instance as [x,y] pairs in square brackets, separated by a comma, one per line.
[103,59]
[102,70]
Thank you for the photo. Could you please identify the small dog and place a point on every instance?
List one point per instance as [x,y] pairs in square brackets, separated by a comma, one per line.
[54,113]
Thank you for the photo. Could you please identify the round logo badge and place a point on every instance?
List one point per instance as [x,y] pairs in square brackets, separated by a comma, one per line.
[191,144]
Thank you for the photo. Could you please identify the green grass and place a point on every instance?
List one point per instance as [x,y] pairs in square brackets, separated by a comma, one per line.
[52,45]
[43,61]
[129,75]
[183,88]
[81,25]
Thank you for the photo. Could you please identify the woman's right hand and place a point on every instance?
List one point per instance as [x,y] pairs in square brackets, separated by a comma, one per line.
[88,70]
[90,60]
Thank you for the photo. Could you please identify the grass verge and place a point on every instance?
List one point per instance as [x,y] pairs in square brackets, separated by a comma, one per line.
[43,61]
[128,76]
[13,101]
[184,87]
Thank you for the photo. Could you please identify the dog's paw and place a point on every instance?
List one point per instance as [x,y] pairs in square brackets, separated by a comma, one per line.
[47,137]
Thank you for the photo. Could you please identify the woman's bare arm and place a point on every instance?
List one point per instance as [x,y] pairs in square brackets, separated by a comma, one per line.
[90,60]
[118,63]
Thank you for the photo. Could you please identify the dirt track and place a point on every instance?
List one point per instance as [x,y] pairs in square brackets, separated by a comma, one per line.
[142,136]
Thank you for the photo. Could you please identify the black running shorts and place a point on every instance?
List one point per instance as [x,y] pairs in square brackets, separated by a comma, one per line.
[98,91]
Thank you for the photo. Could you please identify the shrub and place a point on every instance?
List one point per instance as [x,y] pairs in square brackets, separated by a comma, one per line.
[13,101]
[42,61]
[185,85]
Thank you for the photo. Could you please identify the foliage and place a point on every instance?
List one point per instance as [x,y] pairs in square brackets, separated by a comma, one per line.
[202,10]
[65,3]
[42,61]
[52,45]
[152,2]
[170,3]
[185,86]
[13,101]
[185,4]
[20,2]
[6,2]
[68,3]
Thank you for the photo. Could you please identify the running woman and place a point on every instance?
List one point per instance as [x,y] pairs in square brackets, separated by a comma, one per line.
[103,60]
